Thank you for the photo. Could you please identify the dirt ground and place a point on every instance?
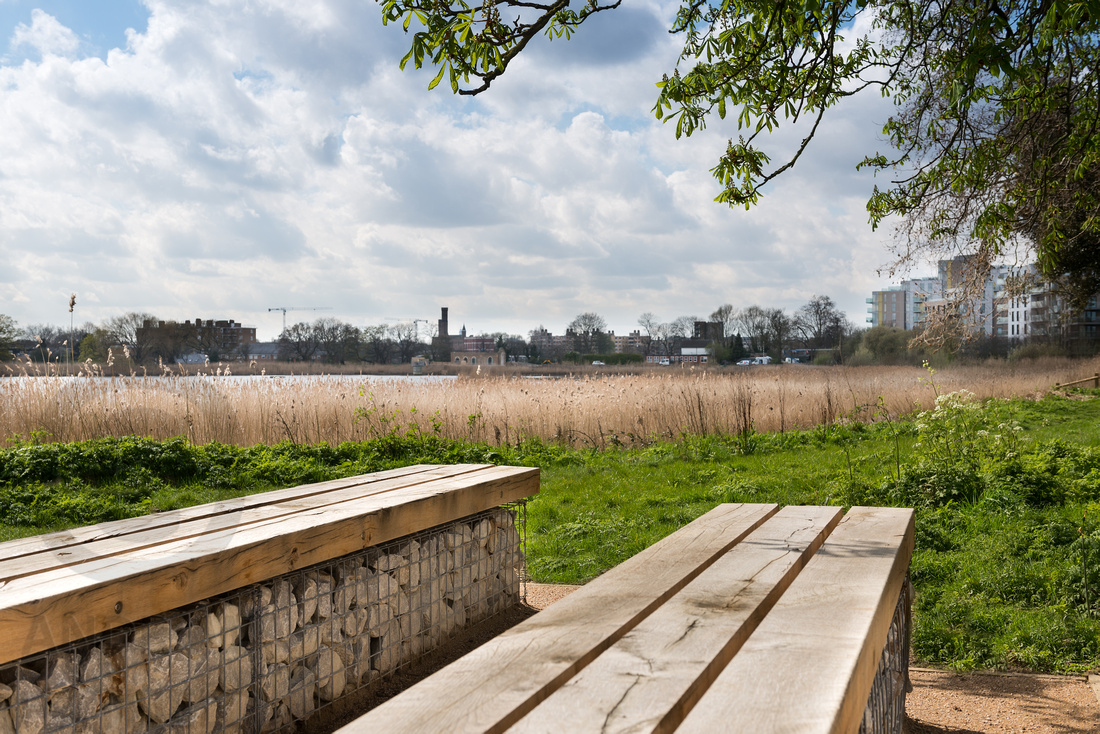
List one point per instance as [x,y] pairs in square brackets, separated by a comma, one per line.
[946,703]
[940,703]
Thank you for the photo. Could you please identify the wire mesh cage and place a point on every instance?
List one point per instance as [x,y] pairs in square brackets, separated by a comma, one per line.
[885,712]
[267,657]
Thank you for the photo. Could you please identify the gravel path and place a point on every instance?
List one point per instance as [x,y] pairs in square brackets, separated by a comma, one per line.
[976,703]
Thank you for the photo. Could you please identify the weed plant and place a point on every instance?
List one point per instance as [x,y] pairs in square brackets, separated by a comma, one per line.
[1007,495]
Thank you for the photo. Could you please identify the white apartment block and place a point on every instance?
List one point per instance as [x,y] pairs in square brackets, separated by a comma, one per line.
[1003,307]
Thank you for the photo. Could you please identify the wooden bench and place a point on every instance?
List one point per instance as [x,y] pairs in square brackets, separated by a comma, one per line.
[749,619]
[250,615]
[60,587]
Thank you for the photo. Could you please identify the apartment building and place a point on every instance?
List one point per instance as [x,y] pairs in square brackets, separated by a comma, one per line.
[632,342]
[1012,302]
[904,306]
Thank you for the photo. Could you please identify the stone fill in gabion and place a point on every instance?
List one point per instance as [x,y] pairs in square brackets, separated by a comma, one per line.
[263,658]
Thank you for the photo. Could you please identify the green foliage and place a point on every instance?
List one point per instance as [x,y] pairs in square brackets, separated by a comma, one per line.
[888,344]
[996,116]
[9,331]
[766,61]
[93,347]
[467,41]
[1007,559]
[1035,350]
[959,431]
[613,358]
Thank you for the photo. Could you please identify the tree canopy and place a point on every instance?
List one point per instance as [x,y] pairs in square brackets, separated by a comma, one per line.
[994,140]
[9,332]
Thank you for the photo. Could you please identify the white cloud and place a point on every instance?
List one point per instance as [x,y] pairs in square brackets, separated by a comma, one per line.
[234,157]
[45,35]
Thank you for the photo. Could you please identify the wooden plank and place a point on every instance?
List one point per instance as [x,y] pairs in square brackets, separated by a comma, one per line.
[494,686]
[73,602]
[201,524]
[809,666]
[649,679]
[45,610]
[63,539]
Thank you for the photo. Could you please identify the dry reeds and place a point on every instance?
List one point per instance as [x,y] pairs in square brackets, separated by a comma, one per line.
[594,409]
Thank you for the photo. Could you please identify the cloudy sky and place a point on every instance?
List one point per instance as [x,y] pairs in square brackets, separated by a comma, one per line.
[218,158]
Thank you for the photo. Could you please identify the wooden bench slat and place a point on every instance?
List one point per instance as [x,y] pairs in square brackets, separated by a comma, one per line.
[65,604]
[810,664]
[348,504]
[495,685]
[651,677]
[194,525]
[64,539]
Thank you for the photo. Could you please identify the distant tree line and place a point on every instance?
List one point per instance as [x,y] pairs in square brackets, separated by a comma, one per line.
[817,331]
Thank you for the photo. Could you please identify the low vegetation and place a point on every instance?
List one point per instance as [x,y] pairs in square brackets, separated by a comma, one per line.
[597,408]
[1007,493]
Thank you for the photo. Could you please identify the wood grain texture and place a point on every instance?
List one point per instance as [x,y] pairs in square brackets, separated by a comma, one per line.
[64,604]
[53,545]
[495,685]
[655,673]
[209,524]
[809,666]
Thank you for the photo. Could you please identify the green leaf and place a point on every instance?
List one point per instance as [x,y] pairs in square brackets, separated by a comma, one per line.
[438,77]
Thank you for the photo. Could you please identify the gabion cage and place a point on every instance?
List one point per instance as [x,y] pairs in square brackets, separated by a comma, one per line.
[885,712]
[267,657]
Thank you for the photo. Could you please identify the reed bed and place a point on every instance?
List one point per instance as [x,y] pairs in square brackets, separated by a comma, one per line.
[593,409]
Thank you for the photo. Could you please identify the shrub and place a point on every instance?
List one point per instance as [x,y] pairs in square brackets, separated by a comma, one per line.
[1035,350]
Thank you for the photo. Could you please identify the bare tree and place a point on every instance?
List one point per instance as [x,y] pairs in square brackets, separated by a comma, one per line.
[820,322]
[378,346]
[338,340]
[407,341]
[726,315]
[49,342]
[780,326]
[682,327]
[127,331]
[649,322]
[298,342]
[588,328]
[752,322]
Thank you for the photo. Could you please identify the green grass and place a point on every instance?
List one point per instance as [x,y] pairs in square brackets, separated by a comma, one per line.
[592,516]
[1007,560]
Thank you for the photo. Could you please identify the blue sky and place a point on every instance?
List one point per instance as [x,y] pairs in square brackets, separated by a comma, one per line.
[100,24]
[225,158]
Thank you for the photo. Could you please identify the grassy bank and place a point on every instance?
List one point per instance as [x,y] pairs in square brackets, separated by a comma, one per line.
[1007,566]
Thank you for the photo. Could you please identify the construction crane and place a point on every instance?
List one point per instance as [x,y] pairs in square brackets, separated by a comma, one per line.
[415,322]
[284,309]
